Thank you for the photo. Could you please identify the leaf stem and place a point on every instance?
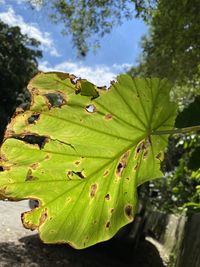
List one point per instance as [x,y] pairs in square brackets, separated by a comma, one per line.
[178,130]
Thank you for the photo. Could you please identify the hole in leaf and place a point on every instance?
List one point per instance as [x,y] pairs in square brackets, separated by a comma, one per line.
[90,108]
[120,168]
[107,197]
[55,99]
[73,79]
[80,174]
[33,203]
[122,163]
[34,140]
[33,118]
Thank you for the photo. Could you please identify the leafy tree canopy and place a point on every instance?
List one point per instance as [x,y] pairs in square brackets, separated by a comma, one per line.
[17,65]
[172,48]
[85,18]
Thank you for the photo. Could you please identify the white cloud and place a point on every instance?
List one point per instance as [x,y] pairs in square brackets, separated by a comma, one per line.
[36,4]
[123,67]
[100,75]
[32,30]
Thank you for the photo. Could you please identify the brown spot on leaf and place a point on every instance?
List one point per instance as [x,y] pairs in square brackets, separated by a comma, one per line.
[34,166]
[145,155]
[43,217]
[106,173]
[122,164]
[139,148]
[29,176]
[108,224]
[35,91]
[129,211]
[9,133]
[102,87]
[107,197]
[120,168]
[27,224]
[70,174]
[3,158]
[136,166]
[112,210]
[77,162]
[93,190]
[159,156]
[3,193]
[108,116]
[125,156]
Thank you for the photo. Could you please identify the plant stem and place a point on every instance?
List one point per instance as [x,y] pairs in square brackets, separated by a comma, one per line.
[180,130]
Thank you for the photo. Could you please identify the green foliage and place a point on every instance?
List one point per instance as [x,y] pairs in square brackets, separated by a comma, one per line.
[88,21]
[172,49]
[83,158]
[179,190]
[190,116]
[17,66]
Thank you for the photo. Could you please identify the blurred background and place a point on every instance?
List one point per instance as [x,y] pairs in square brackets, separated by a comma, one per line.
[97,40]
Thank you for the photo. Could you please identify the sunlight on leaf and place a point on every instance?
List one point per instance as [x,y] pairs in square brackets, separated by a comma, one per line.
[83,158]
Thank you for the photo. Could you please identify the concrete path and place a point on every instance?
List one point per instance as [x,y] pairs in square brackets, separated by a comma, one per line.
[22,248]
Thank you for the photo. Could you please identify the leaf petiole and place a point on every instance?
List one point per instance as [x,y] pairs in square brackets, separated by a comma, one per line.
[178,130]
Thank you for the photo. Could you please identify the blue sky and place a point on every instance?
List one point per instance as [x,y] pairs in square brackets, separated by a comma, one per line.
[119,50]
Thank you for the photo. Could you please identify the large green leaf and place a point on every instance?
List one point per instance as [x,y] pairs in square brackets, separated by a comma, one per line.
[83,159]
